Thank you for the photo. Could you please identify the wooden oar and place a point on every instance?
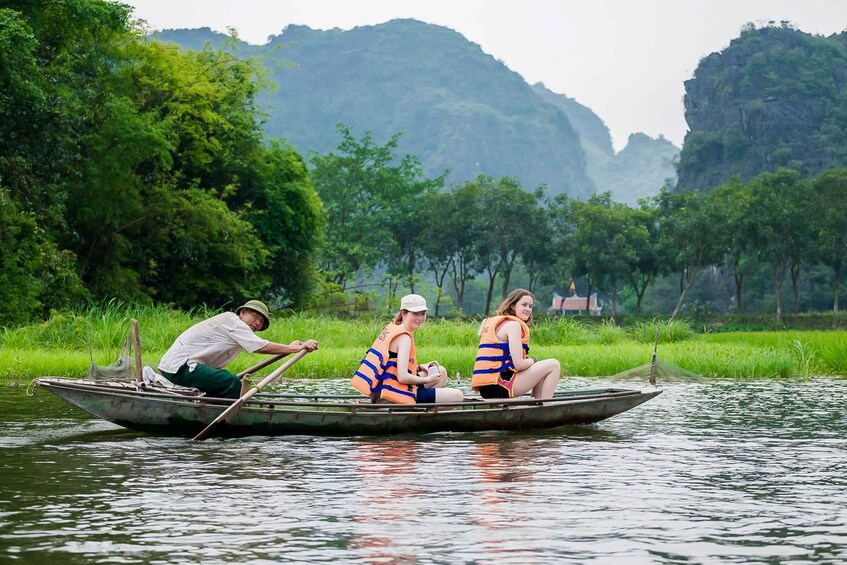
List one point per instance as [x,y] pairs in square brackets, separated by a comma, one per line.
[236,406]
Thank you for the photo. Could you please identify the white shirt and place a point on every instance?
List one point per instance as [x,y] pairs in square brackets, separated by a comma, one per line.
[214,342]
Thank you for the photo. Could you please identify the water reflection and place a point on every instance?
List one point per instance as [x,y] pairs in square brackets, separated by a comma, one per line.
[385,477]
[503,471]
[723,471]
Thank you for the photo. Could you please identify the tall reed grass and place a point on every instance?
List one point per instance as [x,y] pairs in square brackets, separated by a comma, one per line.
[65,344]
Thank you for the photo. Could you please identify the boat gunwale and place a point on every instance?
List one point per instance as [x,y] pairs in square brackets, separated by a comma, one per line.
[271,402]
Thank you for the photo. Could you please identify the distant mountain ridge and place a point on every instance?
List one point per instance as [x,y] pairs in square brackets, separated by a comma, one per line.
[458,108]
[638,171]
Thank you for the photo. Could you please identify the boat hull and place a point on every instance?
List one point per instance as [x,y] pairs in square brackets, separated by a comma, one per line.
[342,415]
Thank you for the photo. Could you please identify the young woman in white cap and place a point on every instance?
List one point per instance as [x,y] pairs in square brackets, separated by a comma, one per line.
[198,356]
[390,370]
[503,368]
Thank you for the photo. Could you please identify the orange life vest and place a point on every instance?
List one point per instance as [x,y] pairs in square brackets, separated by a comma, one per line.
[492,356]
[377,374]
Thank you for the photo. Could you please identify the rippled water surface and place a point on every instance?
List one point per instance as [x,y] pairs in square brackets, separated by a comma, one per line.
[707,472]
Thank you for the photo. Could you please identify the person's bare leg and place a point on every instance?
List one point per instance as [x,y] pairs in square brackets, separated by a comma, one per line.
[449,395]
[541,379]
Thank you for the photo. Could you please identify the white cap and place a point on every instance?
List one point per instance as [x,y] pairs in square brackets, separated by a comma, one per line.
[413,303]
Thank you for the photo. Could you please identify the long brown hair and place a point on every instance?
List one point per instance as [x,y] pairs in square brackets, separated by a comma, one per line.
[398,317]
[507,307]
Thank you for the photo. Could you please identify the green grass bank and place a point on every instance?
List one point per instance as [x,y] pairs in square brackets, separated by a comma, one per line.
[64,344]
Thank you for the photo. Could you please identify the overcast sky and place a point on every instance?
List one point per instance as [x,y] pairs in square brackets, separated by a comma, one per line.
[624,59]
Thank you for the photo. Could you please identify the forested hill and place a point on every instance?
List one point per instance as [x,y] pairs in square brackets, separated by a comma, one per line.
[458,108]
[776,97]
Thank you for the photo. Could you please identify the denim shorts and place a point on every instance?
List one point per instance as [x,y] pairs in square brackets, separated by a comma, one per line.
[425,395]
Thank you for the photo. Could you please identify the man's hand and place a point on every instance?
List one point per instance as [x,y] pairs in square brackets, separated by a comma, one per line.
[308,345]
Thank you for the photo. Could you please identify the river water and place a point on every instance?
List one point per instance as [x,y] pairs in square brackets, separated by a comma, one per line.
[707,472]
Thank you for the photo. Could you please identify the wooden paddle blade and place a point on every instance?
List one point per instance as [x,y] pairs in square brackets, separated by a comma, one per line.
[232,409]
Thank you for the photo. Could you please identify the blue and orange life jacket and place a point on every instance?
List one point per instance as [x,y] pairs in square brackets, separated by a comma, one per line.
[377,374]
[493,356]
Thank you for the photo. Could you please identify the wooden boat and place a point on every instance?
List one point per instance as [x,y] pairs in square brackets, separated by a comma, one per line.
[165,412]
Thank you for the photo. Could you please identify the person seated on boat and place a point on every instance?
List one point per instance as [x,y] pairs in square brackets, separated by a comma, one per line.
[390,370]
[503,368]
[198,356]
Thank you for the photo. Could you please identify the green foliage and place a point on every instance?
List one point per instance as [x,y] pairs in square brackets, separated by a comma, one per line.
[511,217]
[700,151]
[35,276]
[805,357]
[23,104]
[201,236]
[732,206]
[782,233]
[604,240]
[288,218]
[464,216]
[134,170]
[146,165]
[829,192]
[689,230]
[372,206]
[560,330]
[610,333]
[668,331]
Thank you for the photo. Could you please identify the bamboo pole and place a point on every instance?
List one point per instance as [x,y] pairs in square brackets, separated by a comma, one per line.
[136,345]
[654,362]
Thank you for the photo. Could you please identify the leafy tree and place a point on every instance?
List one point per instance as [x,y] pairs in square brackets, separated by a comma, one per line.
[602,248]
[540,252]
[23,109]
[199,235]
[688,235]
[562,224]
[185,124]
[137,157]
[509,210]
[436,248]
[35,276]
[464,225]
[647,259]
[411,221]
[734,211]
[371,205]
[52,56]
[288,218]
[829,193]
[780,232]
[523,218]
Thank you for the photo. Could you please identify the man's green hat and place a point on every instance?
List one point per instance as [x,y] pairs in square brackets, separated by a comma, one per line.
[258,307]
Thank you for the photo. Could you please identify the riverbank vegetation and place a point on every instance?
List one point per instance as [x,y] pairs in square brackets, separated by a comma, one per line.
[65,343]
[133,170]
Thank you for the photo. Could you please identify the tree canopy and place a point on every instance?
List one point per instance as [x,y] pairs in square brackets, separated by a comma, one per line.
[144,166]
